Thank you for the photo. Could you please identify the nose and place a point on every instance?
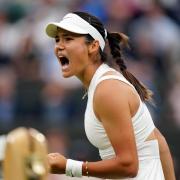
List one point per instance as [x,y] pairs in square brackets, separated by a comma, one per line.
[59,46]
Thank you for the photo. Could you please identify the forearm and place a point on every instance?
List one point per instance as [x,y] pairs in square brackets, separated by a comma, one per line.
[167,165]
[165,156]
[111,168]
[125,166]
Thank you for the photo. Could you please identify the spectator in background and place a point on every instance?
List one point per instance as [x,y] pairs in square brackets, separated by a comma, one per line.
[54,109]
[28,98]
[7,104]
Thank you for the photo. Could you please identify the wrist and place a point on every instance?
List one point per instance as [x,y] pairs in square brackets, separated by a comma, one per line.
[73,168]
[86,169]
[65,166]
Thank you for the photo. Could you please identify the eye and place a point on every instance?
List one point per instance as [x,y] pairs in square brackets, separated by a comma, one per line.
[56,40]
[68,38]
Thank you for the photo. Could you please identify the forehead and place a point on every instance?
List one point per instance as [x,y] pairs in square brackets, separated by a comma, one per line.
[63,32]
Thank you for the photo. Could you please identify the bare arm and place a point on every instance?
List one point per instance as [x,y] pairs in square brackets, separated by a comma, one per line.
[112,108]
[165,155]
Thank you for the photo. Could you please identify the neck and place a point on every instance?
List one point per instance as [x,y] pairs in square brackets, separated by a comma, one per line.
[88,73]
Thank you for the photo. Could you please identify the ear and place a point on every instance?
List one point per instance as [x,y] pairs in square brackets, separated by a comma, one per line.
[93,47]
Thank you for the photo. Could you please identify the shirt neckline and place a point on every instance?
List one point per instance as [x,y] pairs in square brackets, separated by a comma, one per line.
[98,73]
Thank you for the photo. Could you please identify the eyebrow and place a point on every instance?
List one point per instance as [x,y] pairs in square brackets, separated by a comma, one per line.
[64,34]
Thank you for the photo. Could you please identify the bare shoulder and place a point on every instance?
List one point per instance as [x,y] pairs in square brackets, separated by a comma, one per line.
[112,88]
[110,94]
[113,93]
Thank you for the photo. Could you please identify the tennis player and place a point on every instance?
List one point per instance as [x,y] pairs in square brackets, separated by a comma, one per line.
[117,120]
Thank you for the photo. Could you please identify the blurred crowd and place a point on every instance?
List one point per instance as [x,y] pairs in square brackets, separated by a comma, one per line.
[33,92]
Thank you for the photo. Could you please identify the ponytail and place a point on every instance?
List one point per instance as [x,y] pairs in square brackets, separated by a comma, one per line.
[116,42]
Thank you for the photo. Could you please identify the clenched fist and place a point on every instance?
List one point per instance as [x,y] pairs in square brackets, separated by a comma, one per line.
[57,163]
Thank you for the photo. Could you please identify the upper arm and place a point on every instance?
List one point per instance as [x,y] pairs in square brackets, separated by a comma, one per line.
[111,105]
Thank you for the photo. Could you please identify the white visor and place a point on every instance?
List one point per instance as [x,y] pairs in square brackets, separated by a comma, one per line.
[74,23]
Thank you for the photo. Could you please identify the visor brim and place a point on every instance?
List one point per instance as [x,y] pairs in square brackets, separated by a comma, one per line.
[52,28]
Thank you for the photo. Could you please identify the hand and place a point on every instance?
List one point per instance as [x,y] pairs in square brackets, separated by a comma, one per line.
[57,163]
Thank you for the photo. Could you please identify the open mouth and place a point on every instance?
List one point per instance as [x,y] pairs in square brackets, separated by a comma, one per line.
[64,61]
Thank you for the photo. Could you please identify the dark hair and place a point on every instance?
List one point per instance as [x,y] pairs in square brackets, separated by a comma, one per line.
[116,42]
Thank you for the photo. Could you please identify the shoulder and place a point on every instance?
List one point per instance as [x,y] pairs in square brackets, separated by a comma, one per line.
[110,94]
[109,88]
[113,95]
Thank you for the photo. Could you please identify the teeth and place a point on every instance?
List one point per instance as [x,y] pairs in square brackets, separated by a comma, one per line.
[65,66]
[60,55]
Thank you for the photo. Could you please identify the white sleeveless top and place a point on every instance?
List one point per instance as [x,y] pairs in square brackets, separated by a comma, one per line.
[148,151]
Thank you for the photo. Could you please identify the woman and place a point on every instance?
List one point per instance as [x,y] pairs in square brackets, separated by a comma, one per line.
[117,120]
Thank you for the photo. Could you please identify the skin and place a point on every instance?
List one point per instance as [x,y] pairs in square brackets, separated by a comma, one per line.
[165,155]
[84,60]
[81,63]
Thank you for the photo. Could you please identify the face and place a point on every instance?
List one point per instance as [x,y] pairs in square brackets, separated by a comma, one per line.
[72,52]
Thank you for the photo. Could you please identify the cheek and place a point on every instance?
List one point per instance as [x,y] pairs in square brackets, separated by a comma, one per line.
[55,50]
[80,51]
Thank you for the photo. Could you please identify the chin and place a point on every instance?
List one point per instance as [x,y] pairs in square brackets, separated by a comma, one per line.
[66,75]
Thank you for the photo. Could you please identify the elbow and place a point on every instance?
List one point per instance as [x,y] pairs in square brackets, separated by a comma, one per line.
[132,171]
[129,168]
